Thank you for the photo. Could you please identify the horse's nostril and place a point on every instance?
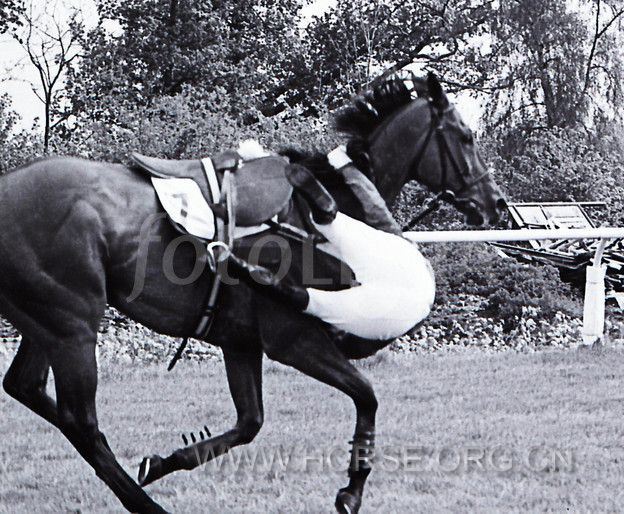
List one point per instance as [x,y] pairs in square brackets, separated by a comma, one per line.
[501,204]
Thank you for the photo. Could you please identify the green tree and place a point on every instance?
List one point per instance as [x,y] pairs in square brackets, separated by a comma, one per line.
[8,119]
[10,14]
[562,164]
[359,42]
[163,47]
[548,64]
[16,147]
[51,45]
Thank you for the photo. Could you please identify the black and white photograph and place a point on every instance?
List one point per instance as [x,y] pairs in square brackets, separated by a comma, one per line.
[311,256]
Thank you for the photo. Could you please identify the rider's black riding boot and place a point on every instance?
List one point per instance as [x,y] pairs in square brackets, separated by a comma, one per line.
[321,202]
[265,281]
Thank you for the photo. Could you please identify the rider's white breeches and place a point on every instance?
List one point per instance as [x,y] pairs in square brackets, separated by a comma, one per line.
[397,284]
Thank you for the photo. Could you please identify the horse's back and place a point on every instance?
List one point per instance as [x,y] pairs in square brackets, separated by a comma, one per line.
[55,180]
[60,195]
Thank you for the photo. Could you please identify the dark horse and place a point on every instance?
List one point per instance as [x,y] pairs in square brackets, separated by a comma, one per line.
[72,233]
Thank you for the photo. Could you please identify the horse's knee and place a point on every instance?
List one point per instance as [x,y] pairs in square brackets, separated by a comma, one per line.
[248,428]
[85,427]
[27,377]
[22,390]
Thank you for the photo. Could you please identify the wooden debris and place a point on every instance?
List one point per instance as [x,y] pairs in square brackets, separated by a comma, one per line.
[571,257]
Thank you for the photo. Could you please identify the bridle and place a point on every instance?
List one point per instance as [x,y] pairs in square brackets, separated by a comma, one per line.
[436,128]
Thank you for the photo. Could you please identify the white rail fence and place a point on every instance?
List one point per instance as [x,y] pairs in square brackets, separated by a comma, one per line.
[594,306]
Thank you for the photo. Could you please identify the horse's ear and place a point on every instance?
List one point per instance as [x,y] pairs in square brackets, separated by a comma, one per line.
[436,92]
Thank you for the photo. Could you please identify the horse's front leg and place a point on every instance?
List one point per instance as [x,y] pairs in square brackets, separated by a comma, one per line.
[244,374]
[309,349]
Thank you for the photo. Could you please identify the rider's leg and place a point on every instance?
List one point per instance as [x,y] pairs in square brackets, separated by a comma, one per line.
[397,284]
[372,254]
[375,312]
[266,282]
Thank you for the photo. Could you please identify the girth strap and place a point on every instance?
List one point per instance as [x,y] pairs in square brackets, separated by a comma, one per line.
[211,179]
[225,233]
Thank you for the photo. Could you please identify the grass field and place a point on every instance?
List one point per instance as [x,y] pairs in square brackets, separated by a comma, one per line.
[471,432]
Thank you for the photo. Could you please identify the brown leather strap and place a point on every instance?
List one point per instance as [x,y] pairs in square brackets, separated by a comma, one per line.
[225,233]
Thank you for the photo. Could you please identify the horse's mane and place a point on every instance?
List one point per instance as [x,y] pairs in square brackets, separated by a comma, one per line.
[358,120]
[315,161]
[371,108]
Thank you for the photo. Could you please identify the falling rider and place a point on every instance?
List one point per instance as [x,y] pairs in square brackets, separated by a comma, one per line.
[397,286]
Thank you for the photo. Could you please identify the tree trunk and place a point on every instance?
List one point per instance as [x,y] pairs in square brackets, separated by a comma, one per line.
[47,128]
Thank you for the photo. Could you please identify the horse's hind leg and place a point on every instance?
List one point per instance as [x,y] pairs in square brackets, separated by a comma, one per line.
[75,373]
[53,288]
[244,374]
[27,379]
[309,350]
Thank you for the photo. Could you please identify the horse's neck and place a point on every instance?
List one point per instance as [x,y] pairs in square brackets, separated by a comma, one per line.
[389,184]
[389,180]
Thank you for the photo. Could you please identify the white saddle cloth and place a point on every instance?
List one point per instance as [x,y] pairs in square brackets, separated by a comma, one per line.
[187,208]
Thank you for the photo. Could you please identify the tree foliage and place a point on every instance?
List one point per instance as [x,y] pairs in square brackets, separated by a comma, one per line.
[548,64]
[360,42]
[562,165]
[540,64]
[161,47]
[10,11]
[16,146]
[259,52]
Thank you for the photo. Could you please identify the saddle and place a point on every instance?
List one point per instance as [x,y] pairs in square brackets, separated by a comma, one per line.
[253,191]
[260,185]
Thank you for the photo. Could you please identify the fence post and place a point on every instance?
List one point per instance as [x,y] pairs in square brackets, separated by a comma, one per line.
[594,308]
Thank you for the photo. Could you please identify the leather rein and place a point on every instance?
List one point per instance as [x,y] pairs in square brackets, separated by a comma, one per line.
[436,128]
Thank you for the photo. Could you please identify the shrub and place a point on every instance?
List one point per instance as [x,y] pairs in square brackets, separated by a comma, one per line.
[505,285]
[186,126]
[560,165]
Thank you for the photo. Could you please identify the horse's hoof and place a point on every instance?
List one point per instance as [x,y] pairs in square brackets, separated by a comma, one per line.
[150,470]
[347,503]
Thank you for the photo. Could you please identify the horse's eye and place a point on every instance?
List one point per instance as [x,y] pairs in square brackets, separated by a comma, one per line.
[468,138]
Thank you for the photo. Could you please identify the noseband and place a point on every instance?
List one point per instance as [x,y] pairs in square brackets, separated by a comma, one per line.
[446,156]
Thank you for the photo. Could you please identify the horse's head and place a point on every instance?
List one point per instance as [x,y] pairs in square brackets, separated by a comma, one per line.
[401,138]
